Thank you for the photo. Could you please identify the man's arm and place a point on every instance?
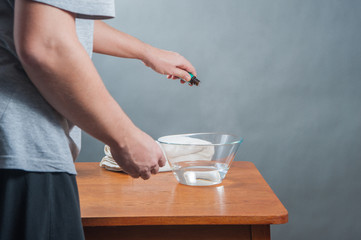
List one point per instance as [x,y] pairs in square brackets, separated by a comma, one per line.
[58,65]
[110,41]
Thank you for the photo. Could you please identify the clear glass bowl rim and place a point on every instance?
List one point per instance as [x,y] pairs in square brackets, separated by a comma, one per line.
[239,141]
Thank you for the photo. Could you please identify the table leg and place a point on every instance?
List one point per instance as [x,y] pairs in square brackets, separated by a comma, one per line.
[261,232]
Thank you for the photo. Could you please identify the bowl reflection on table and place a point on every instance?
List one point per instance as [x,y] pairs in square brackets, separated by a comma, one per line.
[200,159]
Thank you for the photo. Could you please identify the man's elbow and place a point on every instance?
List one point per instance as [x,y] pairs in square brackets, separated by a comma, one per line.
[30,53]
[40,54]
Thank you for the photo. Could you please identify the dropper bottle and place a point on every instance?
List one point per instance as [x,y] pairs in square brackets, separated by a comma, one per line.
[194,80]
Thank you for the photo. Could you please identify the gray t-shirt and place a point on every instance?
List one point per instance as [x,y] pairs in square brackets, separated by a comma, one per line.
[33,135]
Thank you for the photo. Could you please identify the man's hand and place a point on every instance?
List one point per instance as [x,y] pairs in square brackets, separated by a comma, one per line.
[168,63]
[138,155]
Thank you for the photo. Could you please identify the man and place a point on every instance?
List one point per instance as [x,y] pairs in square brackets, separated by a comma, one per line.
[48,87]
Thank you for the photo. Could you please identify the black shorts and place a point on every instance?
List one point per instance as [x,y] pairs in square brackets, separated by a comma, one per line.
[39,206]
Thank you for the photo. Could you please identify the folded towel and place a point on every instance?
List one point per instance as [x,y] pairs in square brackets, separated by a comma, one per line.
[109,164]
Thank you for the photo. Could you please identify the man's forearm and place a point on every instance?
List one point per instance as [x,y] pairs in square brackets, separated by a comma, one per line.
[110,41]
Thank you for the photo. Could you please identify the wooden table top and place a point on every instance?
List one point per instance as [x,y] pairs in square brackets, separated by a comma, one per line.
[115,199]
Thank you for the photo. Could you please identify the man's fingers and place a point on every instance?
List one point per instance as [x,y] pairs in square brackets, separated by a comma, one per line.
[162,161]
[188,67]
[132,170]
[172,77]
[154,170]
[182,74]
[145,175]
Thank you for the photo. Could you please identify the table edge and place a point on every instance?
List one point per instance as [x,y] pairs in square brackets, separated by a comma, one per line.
[184,220]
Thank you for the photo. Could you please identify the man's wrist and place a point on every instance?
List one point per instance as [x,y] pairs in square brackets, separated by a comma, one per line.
[146,52]
[121,132]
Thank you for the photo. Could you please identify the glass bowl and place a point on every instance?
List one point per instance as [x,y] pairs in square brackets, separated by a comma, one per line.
[200,159]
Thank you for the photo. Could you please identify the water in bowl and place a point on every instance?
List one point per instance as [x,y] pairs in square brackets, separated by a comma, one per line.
[200,173]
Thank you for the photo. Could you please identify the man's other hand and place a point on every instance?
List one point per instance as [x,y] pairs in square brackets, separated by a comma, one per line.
[138,154]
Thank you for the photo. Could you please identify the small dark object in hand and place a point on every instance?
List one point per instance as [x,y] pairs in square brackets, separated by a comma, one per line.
[194,81]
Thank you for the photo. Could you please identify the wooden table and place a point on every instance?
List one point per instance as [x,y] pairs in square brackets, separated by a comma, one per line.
[115,206]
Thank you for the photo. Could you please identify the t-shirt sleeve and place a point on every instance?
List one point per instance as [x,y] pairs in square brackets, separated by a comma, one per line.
[88,9]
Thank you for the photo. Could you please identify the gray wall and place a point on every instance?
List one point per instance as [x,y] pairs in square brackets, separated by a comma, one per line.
[285,75]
